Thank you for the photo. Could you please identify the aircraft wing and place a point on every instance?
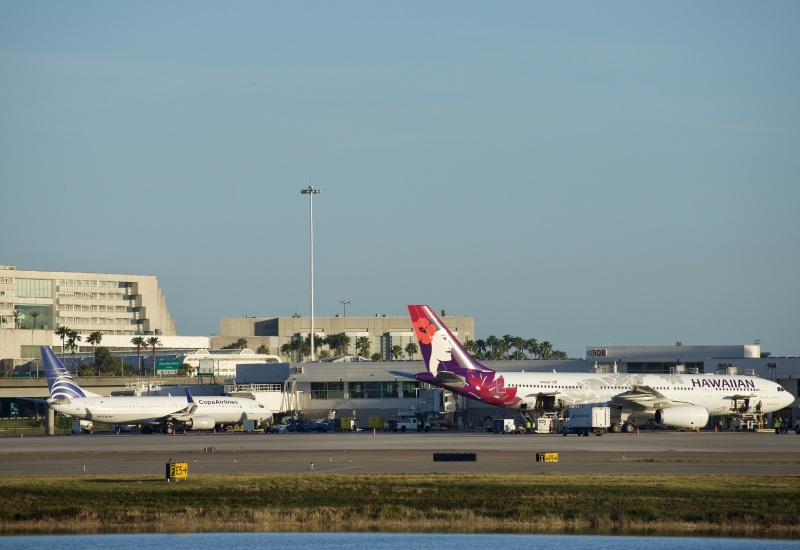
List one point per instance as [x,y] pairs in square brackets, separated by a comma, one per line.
[642,398]
[543,394]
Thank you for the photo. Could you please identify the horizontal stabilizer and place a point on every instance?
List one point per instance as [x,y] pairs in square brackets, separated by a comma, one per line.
[449,379]
[403,374]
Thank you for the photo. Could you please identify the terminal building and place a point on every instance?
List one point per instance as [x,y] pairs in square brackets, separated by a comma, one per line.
[367,390]
[34,304]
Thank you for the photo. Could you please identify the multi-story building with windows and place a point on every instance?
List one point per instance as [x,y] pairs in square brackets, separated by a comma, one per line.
[34,304]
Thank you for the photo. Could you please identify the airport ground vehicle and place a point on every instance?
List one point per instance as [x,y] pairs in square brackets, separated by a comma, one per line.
[506,426]
[404,422]
[82,426]
[584,419]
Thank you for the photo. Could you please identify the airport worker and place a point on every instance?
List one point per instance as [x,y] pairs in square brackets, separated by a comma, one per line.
[777,425]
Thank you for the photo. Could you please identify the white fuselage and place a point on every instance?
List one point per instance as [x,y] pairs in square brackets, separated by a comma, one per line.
[714,392]
[153,410]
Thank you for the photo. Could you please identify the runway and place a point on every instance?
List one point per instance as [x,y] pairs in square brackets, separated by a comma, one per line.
[364,453]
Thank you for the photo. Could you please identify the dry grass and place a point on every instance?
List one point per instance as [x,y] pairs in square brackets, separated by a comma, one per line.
[746,506]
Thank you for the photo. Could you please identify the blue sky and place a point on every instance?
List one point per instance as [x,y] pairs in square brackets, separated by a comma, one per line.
[586,173]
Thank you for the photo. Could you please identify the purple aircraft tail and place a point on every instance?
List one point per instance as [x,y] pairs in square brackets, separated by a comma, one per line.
[452,367]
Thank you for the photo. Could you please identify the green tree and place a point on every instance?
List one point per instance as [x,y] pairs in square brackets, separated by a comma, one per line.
[104,363]
[35,314]
[471,346]
[397,351]
[262,350]
[139,342]
[481,349]
[532,347]
[154,341]
[546,350]
[491,343]
[62,332]
[72,344]
[338,342]
[94,339]
[289,348]
[519,347]
[411,349]
[17,315]
[241,343]
[362,346]
[376,357]
[501,349]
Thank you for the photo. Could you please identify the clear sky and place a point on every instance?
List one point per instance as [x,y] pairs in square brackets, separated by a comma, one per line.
[586,173]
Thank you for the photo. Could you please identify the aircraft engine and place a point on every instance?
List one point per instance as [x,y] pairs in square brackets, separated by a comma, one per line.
[201,423]
[683,416]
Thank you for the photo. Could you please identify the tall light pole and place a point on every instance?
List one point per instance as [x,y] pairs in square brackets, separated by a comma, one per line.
[311,191]
[344,307]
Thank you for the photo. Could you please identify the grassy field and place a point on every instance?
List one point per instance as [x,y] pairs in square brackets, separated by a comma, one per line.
[741,506]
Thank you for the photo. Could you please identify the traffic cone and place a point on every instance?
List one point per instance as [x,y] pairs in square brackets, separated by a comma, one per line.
[637,431]
[715,429]
[373,432]
[22,436]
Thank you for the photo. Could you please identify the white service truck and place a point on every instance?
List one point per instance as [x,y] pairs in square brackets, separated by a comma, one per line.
[583,419]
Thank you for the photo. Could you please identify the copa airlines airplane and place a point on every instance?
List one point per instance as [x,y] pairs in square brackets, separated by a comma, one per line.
[678,400]
[160,412]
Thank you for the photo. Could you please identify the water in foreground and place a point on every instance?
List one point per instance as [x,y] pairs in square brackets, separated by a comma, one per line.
[381,541]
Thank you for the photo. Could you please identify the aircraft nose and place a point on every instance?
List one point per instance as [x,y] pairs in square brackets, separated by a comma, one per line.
[787,399]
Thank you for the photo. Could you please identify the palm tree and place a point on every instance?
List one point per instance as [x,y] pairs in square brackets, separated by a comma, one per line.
[480,346]
[412,348]
[94,339]
[471,346]
[397,351]
[546,349]
[139,342]
[153,341]
[508,342]
[532,347]
[502,349]
[491,342]
[286,349]
[62,332]
[337,342]
[241,343]
[72,344]
[519,348]
[35,314]
[17,315]
[362,346]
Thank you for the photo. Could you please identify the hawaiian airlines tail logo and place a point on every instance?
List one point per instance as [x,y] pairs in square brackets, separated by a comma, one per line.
[59,379]
[440,350]
[443,353]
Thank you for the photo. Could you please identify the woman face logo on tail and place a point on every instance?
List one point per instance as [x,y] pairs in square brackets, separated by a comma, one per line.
[441,348]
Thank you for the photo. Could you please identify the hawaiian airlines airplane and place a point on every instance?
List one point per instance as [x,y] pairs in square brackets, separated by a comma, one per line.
[159,412]
[678,400]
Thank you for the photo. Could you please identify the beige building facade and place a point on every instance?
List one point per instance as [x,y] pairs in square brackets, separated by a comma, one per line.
[382,331]
[34,304]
